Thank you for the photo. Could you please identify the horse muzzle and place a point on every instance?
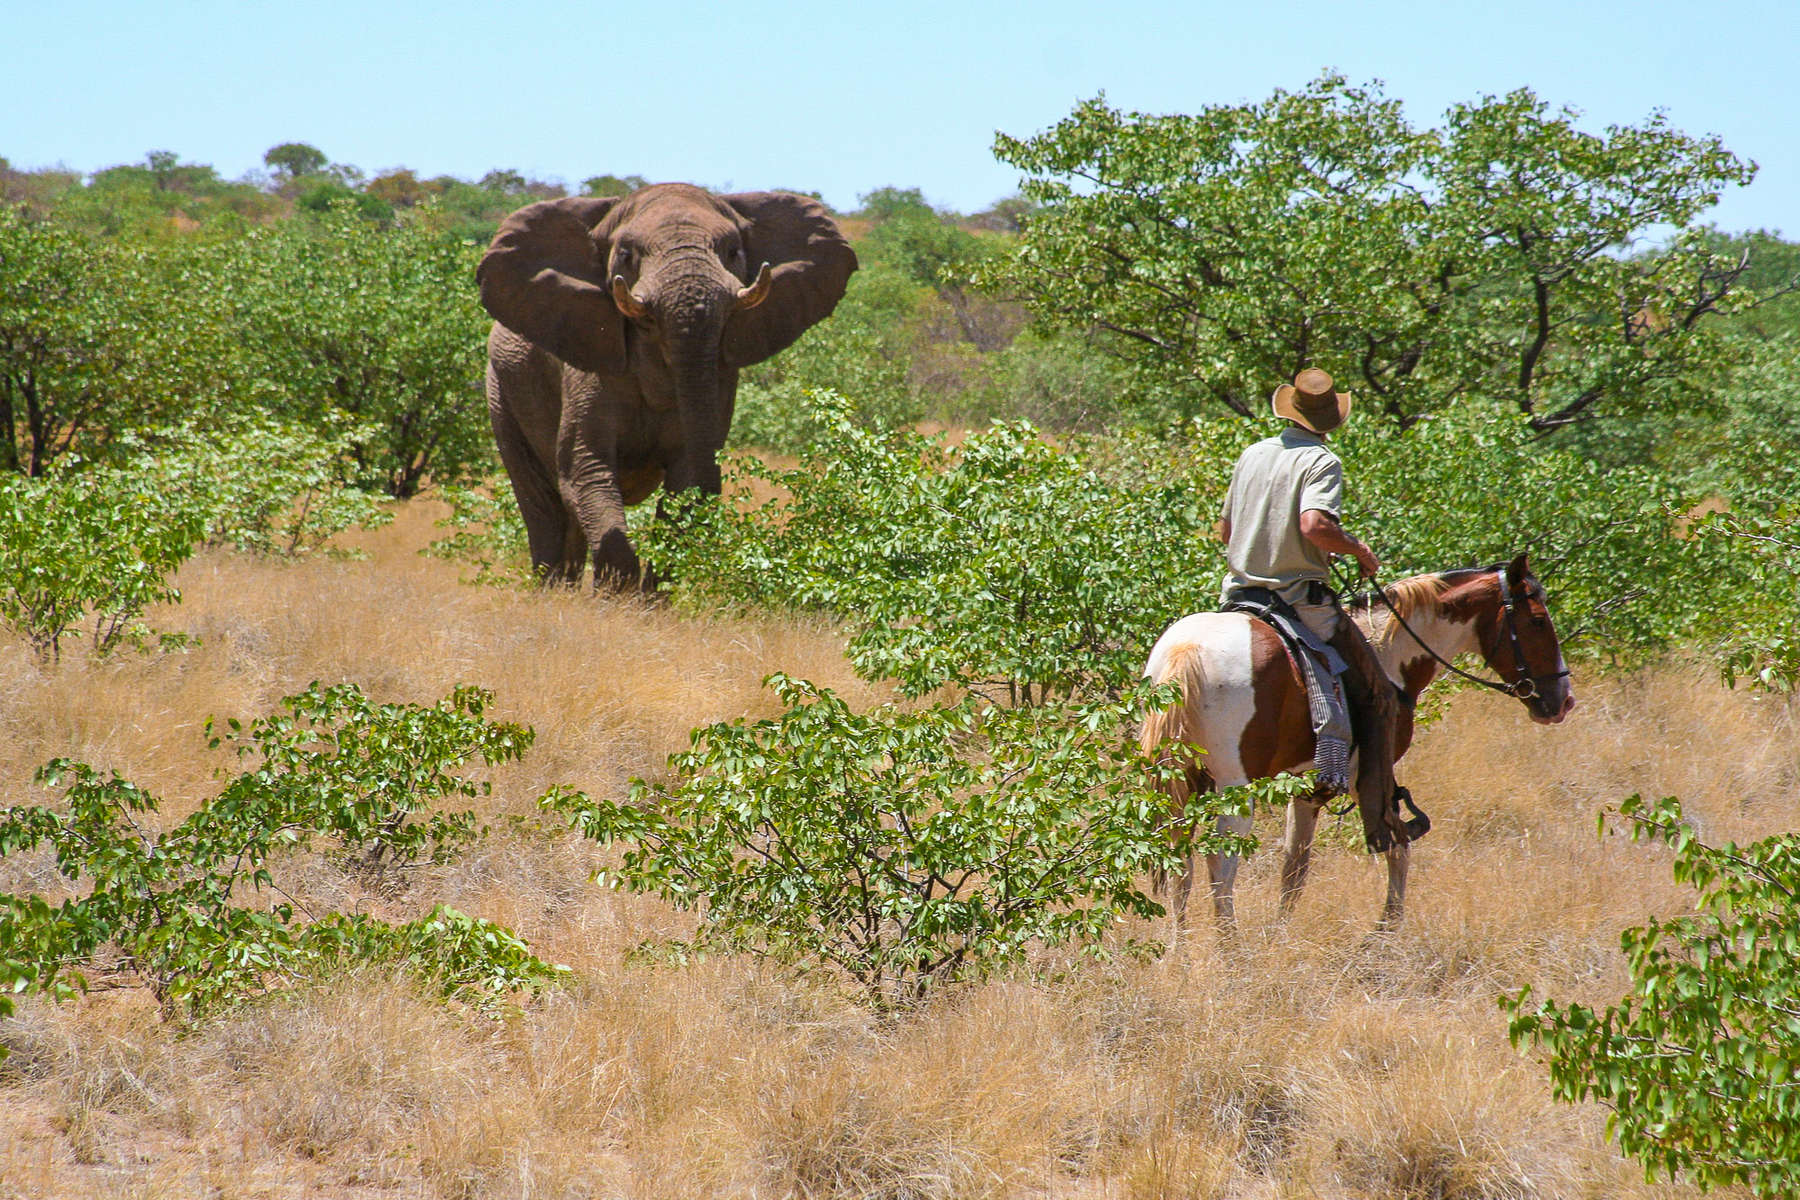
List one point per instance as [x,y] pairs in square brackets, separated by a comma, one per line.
[1543,714]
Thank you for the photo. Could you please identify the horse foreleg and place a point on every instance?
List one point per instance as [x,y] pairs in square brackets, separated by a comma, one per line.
[1296,844]
[1398,857]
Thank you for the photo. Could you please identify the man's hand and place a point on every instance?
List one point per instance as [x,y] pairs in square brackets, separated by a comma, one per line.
[1322,530]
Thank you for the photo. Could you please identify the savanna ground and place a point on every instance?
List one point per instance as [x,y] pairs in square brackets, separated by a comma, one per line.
[1319,1059]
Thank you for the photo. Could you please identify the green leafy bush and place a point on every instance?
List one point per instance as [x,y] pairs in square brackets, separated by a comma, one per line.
[261,485]
[900,848]
[334,315]
[487,532]
[88,551]
[1700,1061]
[168,907]
[1476,485]
[1001,564]
[1754,629]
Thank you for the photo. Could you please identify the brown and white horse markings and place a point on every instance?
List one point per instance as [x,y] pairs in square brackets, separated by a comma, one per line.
[1245,708]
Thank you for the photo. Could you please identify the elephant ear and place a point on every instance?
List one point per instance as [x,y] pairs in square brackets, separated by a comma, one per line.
[544,278]
[810,265]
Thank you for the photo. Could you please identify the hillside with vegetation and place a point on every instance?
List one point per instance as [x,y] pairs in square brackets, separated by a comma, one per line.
[339,858]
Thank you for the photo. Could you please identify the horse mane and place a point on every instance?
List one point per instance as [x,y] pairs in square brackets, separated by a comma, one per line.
[1407,596]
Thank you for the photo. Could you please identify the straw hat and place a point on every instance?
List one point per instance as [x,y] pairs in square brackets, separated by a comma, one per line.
[1310,401]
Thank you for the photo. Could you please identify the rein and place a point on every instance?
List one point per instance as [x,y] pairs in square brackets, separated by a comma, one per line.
[1525,687]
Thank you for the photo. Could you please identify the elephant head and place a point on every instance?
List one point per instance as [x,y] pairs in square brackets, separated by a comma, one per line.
[672,287]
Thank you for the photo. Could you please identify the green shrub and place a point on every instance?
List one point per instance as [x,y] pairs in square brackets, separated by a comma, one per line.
[88,551]
[334,315]
[261,485]
[1055,382]
[169,907]
[1001,564]
[1700,1061]
[899,848]
[487,532]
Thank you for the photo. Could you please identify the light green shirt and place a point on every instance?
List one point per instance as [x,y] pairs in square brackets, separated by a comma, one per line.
[1275,481]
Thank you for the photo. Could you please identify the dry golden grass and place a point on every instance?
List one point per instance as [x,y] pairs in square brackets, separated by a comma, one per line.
[1321,1059]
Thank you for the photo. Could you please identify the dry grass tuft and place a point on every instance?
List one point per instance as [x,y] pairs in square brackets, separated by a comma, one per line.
[1317,1059]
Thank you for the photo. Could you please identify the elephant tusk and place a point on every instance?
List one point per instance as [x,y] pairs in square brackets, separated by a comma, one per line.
[756,292]
[628,304]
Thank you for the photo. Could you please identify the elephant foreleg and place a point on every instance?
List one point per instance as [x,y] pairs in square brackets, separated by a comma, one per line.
[548,527]
[590,489]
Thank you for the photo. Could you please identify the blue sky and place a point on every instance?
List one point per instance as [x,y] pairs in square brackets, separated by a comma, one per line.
[839,98]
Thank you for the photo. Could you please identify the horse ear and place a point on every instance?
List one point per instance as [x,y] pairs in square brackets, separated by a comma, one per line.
[1517,570]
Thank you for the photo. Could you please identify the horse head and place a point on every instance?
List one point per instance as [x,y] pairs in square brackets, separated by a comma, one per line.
[1520,644]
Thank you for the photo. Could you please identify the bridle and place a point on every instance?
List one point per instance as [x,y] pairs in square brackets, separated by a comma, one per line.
[1526,686]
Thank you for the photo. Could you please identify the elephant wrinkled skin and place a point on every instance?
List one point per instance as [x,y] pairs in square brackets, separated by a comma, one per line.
[621,323]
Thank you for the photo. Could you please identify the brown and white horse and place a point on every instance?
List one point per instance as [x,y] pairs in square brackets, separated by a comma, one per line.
[1244,706]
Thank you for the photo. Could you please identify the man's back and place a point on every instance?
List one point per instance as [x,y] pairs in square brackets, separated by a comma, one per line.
[1275,481]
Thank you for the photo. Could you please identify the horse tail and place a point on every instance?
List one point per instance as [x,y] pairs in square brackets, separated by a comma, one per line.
[1170,738]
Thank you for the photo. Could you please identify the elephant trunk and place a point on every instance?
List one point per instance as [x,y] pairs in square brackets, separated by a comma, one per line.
[692,296]
[701,397]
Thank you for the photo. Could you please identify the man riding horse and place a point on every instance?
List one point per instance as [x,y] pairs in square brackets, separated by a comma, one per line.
[1281,528]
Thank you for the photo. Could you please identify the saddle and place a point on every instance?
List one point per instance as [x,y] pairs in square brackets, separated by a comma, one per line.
[1319,664]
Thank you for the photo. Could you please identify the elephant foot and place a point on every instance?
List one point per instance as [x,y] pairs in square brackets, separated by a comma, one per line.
[616,565]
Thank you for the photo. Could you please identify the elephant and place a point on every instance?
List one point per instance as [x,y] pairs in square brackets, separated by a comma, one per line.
[620,327]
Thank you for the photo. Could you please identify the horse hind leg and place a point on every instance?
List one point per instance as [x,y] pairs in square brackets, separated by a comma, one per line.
[1195,782]
[1222,869]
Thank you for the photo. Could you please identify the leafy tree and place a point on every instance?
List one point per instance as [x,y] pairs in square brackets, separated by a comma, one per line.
[326,194]
[503,180]
[900,848]
[612,185]
[1772,273]
[1007,215]
[37,192]
[335,315]
[933,252]
[257,484]
[80,321]
[1755,630]
[294,160]
[1222,251]
[168,906]
[886,203]
[400,188]
[1472,486]
[1700,1061]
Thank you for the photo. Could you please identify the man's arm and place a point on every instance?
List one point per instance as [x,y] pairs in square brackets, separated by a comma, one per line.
[1322,530]
[1223,529]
